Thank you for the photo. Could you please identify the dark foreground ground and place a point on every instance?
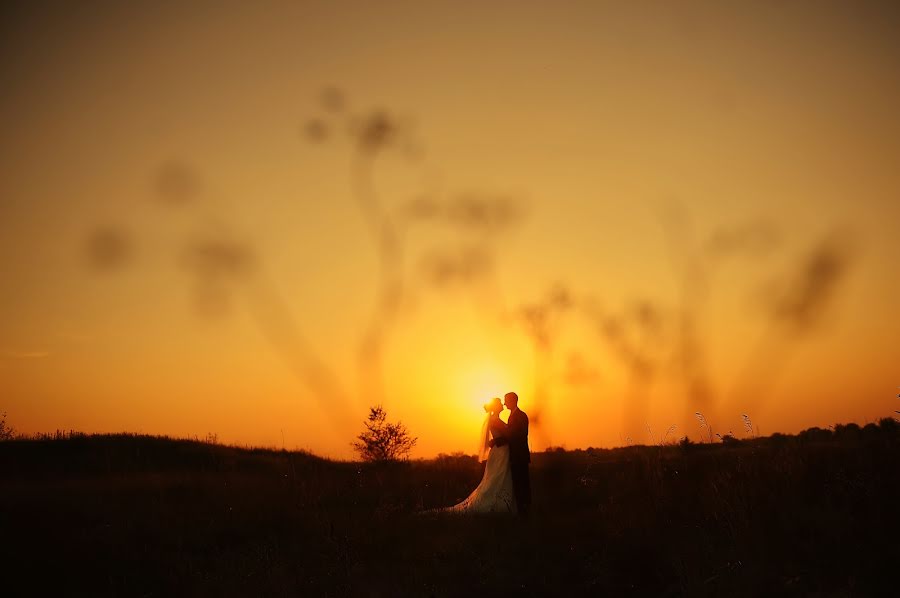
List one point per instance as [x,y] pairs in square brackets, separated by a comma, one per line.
[124,515]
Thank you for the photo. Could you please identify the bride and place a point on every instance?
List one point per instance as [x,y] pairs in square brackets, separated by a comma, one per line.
[495,492]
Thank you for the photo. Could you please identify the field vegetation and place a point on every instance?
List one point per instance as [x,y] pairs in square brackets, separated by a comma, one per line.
[811,514]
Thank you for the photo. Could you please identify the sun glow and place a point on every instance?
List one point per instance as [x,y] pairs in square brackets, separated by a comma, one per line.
[481,383]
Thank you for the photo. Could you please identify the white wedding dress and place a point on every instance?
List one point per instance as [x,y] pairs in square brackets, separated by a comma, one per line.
[495,492]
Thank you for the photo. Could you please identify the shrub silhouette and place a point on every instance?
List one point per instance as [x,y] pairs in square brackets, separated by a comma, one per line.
[817,434]
[730,440]
[890,426]
[382,440]
[6,431]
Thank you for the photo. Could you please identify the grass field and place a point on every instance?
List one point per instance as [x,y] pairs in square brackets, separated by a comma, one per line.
[124,515]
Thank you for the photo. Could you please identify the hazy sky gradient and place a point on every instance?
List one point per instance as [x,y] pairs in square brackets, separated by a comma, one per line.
[709,162]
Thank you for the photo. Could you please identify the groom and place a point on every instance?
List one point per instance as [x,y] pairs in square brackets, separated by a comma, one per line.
[519,455]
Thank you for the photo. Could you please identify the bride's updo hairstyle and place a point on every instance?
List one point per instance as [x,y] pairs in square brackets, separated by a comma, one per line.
[493,406]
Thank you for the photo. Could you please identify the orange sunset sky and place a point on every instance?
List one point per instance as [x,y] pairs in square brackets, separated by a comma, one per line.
[256,219]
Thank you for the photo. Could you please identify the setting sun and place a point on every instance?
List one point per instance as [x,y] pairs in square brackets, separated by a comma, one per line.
[483,382]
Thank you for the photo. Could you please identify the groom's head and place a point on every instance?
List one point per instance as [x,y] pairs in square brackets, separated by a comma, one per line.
[510,399]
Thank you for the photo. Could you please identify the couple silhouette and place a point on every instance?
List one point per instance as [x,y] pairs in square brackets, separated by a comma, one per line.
[505,486]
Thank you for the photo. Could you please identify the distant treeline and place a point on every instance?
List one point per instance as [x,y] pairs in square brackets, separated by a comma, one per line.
[78,452]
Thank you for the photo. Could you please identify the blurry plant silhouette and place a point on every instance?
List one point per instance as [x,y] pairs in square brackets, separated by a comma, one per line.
[222,261]
[648,337]
[108,249]
[383,441]
[748,425]
[666,435]
[541,321]
[6,431]
[472,219]
[704,425]
[176,183]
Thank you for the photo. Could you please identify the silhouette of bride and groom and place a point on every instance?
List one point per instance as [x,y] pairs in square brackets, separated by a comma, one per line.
[505,486]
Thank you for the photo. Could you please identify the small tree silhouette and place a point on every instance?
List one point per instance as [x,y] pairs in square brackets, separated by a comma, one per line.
[6,432]
[382,440]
